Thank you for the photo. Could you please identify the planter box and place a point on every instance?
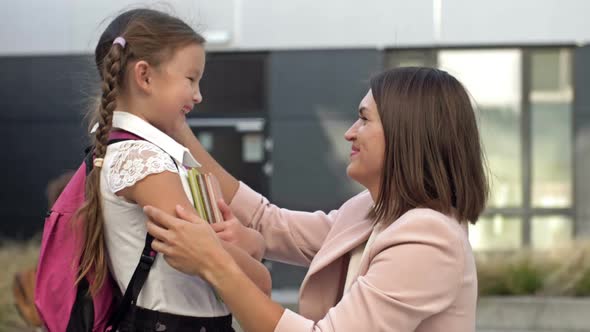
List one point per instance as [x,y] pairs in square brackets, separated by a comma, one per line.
[511,313]
[533,314]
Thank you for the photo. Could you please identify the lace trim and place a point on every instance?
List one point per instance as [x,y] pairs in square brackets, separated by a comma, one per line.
[135,160]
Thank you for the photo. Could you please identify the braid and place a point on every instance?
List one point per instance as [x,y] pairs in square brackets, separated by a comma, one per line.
[114,61]
[93,256]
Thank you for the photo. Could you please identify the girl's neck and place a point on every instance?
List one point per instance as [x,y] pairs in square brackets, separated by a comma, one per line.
[125,105]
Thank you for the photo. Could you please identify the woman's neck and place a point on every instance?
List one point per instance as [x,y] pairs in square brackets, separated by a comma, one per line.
[374,191]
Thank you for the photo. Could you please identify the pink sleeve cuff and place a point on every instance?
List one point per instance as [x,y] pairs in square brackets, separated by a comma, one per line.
[292,322]
[245,204]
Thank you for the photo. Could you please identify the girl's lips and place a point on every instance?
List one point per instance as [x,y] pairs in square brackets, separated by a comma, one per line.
[186,109]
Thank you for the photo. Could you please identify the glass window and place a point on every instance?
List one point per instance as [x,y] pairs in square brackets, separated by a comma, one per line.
[551,231]
[493,78]
[410,58]
[551,115]
[496,233]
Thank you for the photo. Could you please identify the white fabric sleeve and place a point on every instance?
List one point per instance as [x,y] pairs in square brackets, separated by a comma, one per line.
[133,161]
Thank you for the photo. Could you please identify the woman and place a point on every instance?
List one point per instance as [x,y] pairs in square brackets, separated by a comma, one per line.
[393,258]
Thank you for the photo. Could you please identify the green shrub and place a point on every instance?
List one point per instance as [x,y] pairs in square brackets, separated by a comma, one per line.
[582,287]
[557,272]
[524,278]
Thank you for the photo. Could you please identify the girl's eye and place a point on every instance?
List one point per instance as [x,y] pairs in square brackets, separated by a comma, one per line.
[191,79]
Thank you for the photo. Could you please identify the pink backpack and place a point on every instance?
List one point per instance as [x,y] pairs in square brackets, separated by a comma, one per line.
[62,305]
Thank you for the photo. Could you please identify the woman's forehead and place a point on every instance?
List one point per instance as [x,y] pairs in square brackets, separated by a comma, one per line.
[368,102]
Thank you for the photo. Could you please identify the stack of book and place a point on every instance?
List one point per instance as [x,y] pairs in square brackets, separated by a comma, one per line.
[205,191]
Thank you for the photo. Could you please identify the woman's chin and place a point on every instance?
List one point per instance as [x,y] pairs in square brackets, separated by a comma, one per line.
[357,175]
[352,172]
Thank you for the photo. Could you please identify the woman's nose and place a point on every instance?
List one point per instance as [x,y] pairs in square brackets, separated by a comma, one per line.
[350,134]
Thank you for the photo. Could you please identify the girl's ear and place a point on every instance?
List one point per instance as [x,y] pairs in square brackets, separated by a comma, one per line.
[142,76]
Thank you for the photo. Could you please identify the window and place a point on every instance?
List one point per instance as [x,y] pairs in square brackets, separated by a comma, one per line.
[493,77]
[523,99]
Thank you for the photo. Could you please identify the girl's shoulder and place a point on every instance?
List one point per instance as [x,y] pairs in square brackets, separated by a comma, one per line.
[130,161]
[133,148]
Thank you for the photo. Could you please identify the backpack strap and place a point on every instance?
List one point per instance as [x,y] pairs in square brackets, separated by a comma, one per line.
[129,300]
[148,255]
[115,136]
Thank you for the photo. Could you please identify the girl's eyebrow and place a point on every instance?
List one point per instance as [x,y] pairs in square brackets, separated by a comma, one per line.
[195,71]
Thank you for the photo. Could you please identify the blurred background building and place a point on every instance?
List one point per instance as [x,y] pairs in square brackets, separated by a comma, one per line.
[282,84]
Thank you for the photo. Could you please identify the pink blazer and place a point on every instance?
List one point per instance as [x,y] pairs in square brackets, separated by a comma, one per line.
[419,274]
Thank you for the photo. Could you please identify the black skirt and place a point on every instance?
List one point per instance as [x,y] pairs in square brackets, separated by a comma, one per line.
[144,320]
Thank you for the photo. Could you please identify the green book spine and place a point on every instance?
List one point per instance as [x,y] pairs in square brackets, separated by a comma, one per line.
[194,186]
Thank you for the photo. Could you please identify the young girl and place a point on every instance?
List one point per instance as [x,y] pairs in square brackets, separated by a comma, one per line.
[150,64]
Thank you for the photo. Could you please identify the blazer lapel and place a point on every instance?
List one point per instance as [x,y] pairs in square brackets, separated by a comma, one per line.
[321,287]
[339,245]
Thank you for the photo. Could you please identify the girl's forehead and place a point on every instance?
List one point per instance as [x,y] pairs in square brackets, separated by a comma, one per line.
[188,56]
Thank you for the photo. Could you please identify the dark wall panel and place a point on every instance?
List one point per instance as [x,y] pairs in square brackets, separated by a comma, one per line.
[43,101]
[234,85]
[313,99]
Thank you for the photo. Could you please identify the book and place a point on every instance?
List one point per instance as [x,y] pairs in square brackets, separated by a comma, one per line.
[197,199]
[205,196]
[206,192]
[213,198]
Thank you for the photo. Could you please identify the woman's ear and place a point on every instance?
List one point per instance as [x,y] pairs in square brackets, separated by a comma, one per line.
[142,76]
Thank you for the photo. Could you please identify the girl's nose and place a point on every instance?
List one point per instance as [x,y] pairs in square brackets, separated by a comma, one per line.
[197,98]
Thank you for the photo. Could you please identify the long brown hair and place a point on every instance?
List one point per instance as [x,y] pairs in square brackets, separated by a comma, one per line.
[151,36]
[433,154]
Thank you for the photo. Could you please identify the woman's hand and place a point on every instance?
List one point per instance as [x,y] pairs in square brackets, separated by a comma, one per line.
[231,230]
[191,247]
[183,134]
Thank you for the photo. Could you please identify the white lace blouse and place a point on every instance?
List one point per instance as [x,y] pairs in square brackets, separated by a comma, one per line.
[125,164]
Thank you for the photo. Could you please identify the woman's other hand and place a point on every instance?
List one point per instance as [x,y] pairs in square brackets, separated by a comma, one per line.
[183,134]
[231,230]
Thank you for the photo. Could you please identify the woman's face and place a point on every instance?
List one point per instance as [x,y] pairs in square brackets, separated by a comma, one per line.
[367,153]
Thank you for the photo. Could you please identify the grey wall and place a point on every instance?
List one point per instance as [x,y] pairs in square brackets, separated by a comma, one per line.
[65,26]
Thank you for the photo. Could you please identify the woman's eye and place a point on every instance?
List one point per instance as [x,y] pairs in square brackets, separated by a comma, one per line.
[191,79]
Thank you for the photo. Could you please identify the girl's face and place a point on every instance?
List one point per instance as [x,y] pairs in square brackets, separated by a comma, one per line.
[367,153]
[176,88]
